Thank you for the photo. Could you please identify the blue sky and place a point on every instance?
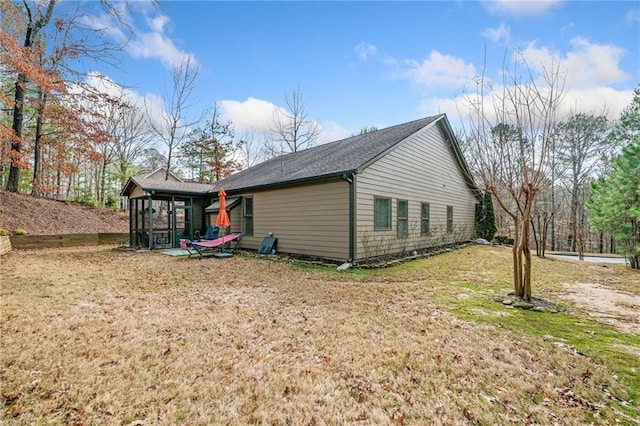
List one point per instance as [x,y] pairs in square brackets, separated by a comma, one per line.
[375,63]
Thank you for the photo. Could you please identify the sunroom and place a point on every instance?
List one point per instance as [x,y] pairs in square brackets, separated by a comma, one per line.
[161,212]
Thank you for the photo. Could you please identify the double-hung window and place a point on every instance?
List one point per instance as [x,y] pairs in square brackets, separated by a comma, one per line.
[403,218]
[382,213]
[424,218]
[247,216]
[449,219]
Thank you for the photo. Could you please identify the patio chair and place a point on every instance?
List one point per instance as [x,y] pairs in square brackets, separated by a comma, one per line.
[142,239]
[209,247]
[211,233]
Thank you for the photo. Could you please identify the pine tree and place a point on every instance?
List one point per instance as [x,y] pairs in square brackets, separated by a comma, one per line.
[485,218]
[615,202]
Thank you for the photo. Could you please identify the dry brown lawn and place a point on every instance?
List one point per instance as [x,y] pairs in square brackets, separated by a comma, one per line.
[97,336]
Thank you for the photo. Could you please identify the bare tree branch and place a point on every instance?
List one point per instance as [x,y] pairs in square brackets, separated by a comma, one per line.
[293,129]
[173,124]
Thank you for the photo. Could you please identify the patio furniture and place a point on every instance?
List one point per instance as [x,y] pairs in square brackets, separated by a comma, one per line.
[211,233]
[211,247]
[268,245]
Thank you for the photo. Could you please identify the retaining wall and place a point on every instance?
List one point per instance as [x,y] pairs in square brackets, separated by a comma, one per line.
[21,242]
[5,245]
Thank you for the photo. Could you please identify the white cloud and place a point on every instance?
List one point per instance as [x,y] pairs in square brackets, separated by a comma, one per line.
[150,105]
[632,16]
[332,131]
[440,70]
[455,108]
[255,116]
[497,34]
[155,45]
[597,100]
[520,7]
[252,114]
[366,50]
[587,65]
[157,23]
[594,100]
[105,24]
[567,27]
[146,44]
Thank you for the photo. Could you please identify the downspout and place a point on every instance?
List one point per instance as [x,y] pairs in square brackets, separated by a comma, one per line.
[151,220]
[352,217]
[133,225]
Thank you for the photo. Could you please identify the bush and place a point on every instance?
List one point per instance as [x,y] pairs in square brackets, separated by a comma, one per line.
[504,240]
[4,232]
[86,199]
[111,202]
[20,231]
[485,218]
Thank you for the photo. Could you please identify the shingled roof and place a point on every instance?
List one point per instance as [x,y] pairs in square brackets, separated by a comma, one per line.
[321,162]
[324,161]
[166,186]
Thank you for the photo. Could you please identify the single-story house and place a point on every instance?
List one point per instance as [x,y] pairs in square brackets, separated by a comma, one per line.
[393,190]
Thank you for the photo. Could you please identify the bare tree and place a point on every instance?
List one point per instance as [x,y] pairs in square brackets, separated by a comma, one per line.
[173,124]
[56,49]
[151,160]
[129,134]
[511,130]
[133,137]
[252,147]
[37,18]
[41,64]
[293,129]
[581,143]
[542,215]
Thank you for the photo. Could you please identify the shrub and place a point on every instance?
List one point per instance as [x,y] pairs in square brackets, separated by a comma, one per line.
[20,231]
[85,199]
[503,239]
[4,232]
[485,218]
[111,202]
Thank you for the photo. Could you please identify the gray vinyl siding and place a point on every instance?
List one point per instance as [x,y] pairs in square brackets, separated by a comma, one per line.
[311,220]
[421,169]
[235,218]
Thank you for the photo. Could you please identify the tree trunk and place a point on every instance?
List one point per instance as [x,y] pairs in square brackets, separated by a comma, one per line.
[601,243]
[37,149]
[103,180]
[526,251]
[18,106]
[612,245]
[546,218]
[580,237]
[18,118]
[573,231]
[517,262]
[535,236]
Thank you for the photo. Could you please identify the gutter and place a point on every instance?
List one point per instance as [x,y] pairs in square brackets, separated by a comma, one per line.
[231,190]
[350,178]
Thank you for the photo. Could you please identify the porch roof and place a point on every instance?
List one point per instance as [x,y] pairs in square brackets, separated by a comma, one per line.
[231,203]
[161,186]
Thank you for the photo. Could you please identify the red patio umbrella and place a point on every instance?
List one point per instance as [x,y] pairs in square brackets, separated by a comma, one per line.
[222,219]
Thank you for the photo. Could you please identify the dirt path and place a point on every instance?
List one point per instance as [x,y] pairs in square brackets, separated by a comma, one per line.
[608,305]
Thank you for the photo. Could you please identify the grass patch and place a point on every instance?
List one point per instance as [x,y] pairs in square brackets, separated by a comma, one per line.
[477,299]
[146,338]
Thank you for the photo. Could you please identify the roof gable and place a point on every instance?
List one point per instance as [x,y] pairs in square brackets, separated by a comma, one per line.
[324,161]
[161,173]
